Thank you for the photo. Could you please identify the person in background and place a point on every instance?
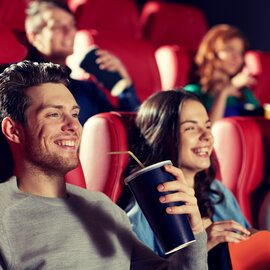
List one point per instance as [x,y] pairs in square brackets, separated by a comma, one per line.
[50,28]
[222,81]
[48,224]
[174,125]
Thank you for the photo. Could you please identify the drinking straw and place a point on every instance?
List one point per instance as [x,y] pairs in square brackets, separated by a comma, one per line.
[130,153]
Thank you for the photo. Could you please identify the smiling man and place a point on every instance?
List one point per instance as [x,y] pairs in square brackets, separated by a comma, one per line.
[48,224]
[50,28]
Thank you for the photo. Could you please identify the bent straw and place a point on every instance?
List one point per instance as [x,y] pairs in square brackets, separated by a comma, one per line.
[130,153]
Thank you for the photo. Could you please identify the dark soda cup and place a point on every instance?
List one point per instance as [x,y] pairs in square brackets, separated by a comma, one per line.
[173,231]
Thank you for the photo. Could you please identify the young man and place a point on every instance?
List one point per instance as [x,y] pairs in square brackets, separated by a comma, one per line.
[48,224]
[50,28]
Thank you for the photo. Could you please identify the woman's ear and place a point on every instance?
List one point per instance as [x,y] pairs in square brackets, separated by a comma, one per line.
[10,130]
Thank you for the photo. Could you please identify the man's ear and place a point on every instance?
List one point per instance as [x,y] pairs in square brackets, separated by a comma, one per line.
[31,36]
[33,39]
[11,130]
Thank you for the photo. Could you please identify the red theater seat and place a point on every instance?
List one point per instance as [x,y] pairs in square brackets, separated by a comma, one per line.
[11,50]
[253,253]
[174,64]
[176,30]
[12,14]
[258,63]
[74,4]
[117,17]
[137,55]
[104,133]
[166,23]
[76,177]
[242,147]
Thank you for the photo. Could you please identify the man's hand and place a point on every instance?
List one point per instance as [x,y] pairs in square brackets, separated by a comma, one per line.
[110,62]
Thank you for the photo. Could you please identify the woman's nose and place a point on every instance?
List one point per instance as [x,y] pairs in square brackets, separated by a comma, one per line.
[71,124]
[207,135]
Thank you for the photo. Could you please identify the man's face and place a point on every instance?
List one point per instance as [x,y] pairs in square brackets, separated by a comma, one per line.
[51,137]
[56,38]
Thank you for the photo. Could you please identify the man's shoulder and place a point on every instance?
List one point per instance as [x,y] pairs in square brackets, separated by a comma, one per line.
[7,185]
[95,198]
[8,195]
[89,195]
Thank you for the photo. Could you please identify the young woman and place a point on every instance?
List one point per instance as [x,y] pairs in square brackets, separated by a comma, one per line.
[221,79]
[174,125]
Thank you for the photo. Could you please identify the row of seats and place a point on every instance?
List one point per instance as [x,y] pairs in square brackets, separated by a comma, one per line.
[166,27]
[242,147]
[157,54]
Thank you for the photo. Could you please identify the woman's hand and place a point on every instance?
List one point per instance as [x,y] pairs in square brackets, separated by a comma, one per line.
[243,79]
[225,231]
[110,62]
[183,193]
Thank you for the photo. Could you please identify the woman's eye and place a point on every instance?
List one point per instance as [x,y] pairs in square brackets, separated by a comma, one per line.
[53,115]
[189,128]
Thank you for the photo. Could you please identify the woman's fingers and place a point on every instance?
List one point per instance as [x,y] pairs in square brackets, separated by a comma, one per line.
[226,231]
[230,225]
[181,192]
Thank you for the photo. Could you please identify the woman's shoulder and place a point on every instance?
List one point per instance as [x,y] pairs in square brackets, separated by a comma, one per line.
[217,185]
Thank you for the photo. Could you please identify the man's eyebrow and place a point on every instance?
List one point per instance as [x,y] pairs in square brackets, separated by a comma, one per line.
[54,106]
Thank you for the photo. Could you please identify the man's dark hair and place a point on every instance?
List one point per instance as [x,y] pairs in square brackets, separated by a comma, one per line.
[17,78]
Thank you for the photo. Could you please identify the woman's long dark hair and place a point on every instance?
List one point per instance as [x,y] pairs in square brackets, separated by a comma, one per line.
[158,124]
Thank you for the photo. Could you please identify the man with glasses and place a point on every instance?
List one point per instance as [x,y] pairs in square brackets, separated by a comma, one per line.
[51,28]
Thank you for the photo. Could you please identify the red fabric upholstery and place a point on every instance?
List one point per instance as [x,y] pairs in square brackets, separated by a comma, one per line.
[74,4]
[174,64]
[241,145]
[12,14]
[258,63]
[137,55]
[76,177]
[118,17]
[104,133]
[253,253]
[11,50]
[173,23]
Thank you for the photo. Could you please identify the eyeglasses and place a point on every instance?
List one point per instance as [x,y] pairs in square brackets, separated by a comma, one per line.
[61,27]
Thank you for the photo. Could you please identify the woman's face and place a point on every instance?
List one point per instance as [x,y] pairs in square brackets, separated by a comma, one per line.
[196,139]
[231,56]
